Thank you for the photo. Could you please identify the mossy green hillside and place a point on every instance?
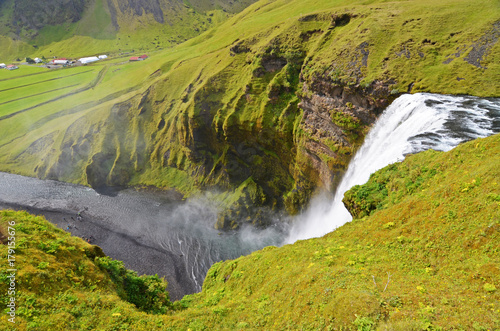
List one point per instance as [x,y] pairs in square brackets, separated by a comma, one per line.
[280,94]
[426,258]
[69,280]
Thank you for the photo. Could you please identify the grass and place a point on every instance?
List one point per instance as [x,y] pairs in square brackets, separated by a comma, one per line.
[27,91]
[11,48]
[26,75]
[427,258]
[22,71]
[215,116]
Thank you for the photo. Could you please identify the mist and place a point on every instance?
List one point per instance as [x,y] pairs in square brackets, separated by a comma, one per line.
[178,236]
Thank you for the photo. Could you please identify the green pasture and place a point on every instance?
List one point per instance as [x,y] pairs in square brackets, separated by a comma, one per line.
[30,91]
[32,75]
[99,88]
[22,71]
[56,78]
[28,86]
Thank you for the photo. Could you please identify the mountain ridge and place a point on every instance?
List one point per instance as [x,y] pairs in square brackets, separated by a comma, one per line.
[39,24]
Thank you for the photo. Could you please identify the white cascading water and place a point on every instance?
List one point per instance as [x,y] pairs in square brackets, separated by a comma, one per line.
[411,124]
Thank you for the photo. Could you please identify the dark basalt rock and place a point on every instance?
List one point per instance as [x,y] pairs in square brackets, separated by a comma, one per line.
[272,64]
[37,14]
[98,170]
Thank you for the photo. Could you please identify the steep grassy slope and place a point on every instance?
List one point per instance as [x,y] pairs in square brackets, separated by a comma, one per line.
[56,28]
[427,258]
[269,105]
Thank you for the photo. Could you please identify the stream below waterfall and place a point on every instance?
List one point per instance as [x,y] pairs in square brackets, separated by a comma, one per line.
[155,233]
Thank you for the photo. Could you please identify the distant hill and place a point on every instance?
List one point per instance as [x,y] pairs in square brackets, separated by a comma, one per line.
[27,26]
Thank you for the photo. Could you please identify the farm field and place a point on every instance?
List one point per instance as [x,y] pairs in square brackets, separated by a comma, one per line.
[27,91]
[30,87]
[37,102]
[22,71]
[32,75]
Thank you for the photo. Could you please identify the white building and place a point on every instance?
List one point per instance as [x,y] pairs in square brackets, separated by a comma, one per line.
[37,60]
[60,61]
[85,60]
[102,57]
[3,65]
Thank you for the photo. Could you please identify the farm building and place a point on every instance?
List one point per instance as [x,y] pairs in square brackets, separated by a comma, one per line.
[3,66]
[12,67]
[37,60]
[138,58]
[102,57]
[60,61]
[85,60]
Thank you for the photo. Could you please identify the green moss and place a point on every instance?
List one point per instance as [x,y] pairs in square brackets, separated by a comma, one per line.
[146,292]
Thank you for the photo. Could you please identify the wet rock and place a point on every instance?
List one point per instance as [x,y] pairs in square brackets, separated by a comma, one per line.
[98,170]
[335,116]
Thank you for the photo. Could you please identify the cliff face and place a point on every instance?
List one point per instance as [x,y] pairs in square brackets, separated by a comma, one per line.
[272,135]
[337,114]
[268,106]
[37,14]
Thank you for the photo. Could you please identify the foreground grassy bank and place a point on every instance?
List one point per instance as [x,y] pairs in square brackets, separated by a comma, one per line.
[61,282]
[425,255]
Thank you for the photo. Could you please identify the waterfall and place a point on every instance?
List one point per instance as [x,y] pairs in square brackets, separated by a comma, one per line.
[411,124]
[155,234]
